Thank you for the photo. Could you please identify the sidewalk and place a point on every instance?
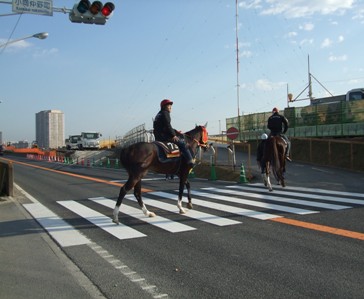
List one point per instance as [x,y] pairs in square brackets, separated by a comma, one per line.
[31,264]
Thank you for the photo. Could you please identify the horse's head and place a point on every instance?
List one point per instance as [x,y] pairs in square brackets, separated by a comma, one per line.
[198,136]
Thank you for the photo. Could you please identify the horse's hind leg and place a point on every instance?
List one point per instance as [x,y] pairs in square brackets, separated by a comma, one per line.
[182,183]
[138,196]
[123,191]
[188,187]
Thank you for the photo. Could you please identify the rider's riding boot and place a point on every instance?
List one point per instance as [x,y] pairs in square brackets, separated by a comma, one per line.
[288,158]
[187,154]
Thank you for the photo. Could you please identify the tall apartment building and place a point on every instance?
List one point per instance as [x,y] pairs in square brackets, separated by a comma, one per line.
[49,129]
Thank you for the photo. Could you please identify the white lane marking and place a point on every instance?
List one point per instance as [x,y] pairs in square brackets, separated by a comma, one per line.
[133,276]
[163,223]
[205,217]
[280,199]
[222,207]
[314,190]
[119,231]
[26,194]
[63,233]
[255,203]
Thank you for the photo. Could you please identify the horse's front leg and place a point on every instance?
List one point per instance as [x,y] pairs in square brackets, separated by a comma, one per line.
[180,193]
[267,178]
[122,194]
[138,196]
[188,187]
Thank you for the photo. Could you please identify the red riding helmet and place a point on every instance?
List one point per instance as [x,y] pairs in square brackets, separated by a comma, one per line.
[166,102]
[275,109]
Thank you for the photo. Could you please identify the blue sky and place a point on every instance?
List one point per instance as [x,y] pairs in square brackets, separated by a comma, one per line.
[112,78]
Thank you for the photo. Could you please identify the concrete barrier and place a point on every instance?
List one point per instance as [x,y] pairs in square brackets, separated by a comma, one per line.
[6,178]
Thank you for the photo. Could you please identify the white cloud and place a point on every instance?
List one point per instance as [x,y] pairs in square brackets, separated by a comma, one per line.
[245,53]
[15,46]
[46,52]
[264,84]
[359,15]
[326,43]
[338,58]
[307,27]
[292,34]
[340,39]
[306,41]
[299,8]
[254,4]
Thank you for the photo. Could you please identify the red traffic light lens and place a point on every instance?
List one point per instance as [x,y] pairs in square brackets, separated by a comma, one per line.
[108,9]
[95,7]
[83,6]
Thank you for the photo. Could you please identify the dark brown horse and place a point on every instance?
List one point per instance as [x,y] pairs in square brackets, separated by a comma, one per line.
[275,160]
[140,157]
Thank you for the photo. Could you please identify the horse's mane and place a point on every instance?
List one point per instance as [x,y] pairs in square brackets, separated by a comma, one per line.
[194,131]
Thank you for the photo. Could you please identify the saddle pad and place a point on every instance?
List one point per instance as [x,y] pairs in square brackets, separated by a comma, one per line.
[170,149]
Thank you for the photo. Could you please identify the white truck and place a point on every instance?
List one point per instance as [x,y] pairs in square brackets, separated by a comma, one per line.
[351,95]
[72,142]
[89,140]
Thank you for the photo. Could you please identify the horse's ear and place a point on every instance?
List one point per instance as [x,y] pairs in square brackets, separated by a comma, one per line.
[206,124]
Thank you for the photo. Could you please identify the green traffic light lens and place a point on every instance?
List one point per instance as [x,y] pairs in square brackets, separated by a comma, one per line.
[83,6]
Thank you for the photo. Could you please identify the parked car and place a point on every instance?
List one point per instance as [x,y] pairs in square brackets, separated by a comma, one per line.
[1,150]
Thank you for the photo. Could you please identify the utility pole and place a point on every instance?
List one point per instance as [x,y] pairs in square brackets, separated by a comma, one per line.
[237,65]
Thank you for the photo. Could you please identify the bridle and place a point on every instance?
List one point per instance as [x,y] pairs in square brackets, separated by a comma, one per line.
[204,138]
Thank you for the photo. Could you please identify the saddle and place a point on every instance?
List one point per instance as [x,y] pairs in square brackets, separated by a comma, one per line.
[167,150]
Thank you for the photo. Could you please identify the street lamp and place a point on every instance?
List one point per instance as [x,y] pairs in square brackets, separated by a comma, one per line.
[42,35]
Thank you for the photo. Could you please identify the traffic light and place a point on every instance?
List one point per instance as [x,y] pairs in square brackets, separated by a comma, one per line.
[95,13]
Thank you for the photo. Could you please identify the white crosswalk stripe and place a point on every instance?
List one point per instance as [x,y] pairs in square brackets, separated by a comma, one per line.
[243,200]
[221,207]
[341,198]
[119,231]
[281,199]
[212,219]
[163,223]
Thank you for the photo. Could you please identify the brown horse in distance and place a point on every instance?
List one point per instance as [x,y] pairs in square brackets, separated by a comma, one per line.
[275,160]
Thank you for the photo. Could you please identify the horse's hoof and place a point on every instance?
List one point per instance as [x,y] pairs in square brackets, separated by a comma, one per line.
[151,214]
[116,221]
[270,190]
[189,206]
[182,211]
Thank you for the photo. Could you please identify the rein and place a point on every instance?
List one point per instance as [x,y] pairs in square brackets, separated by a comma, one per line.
[197,141]
[204,136]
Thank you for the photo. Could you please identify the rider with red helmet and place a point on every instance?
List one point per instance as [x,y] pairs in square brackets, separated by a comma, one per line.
[278,125]
[164,132]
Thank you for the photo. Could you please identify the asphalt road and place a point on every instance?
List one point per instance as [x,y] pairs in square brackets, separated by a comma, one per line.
[305,244]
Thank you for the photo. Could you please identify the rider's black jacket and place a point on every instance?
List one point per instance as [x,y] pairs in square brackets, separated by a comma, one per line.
[162,128]
[277,123]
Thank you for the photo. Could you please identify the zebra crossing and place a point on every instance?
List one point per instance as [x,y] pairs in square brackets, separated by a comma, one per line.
[244,201]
